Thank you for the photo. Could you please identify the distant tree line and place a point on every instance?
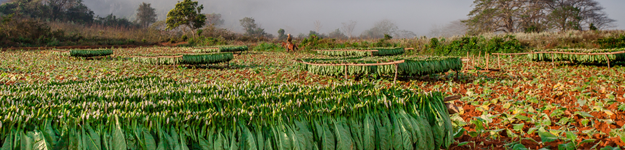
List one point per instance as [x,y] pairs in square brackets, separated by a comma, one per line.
[511,16]
[74,11]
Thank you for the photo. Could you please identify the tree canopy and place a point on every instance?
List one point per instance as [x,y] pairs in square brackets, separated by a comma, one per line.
[251,28]
[186,13]
[281,34]
[146,15]
[380,29]
[535,16]
[214,19]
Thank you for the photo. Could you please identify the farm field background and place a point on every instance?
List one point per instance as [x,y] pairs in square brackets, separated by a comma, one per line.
[534,104]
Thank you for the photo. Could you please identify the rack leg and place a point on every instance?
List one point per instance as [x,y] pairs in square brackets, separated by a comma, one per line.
[396,70]
[487,59]
[510,62]
[499,61]
[608,59]
[553,56]
[345,71]
[479,56]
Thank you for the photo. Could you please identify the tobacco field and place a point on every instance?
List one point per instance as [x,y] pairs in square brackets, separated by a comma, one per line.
[264,100]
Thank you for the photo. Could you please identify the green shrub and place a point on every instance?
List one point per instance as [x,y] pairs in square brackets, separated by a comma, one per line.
[264,46]
[612,42]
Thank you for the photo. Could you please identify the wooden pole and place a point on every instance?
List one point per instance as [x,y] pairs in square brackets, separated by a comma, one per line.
[498,61]
[532,64]
[608,59]
[472,61]
[487,58]
[396,70]
[468,62]
[479,56]
[553,56]
[510,63]
[345,71]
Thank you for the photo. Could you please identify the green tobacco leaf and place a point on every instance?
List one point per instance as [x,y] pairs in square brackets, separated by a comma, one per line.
[369,133]
[531,130]
[94,141]
[473,133]
[343,139]
[49,134]
[459,133]
[567,146]
[571,136]
[524,118]
[407,142]
[584,114]
[518,147]
[462,144]
[518,127]
[40,142]
[8,142]
[27,141]
[547,137]
[118,139]
[588,141]
[610,148]
[204,144]
[149,140]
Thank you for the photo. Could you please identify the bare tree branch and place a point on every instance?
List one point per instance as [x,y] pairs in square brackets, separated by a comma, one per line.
[348,28]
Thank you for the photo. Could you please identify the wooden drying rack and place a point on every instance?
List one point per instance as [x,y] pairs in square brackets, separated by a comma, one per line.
[552,61]
[355,64]
[348,50]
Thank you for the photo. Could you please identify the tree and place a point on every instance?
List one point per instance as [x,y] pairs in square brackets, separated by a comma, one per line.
[348,28]
[62,10]
[318,26]
[337,34]
[145,15]
[456,27]
[186,13]
[405,34]
[302,36]
[380,28]
[251,28]
[576,14]
[592,27]
[113,21]
[510,16]
[25,8]
[566,18]
[317,34]
[532,17]
[281,35]
[79,13]
[214,19]
[58,7]
[495,16]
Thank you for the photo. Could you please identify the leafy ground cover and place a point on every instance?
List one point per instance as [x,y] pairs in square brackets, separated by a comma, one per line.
[529,104]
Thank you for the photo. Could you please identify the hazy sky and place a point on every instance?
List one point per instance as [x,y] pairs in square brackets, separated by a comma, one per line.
[298,16]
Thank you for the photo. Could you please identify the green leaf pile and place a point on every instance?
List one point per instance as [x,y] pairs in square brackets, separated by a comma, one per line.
[411,65]
[157,113]
[580,58]
[90,52]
